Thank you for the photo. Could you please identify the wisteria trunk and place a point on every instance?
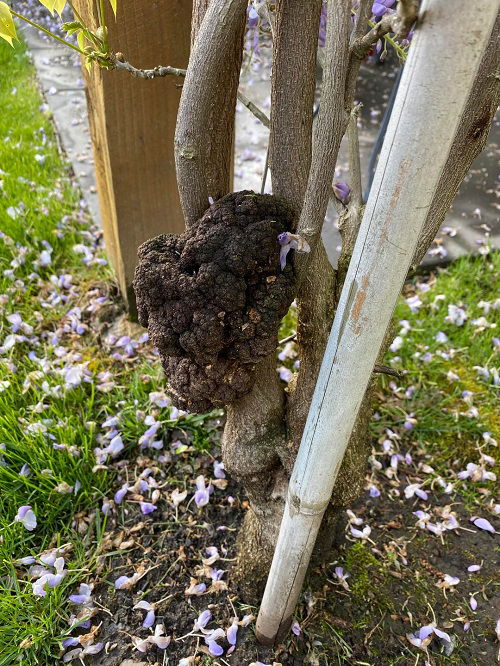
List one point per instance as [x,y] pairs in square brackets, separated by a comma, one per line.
[264,428]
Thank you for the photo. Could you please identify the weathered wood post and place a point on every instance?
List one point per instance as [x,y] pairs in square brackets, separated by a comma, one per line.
[440,71]
[132,124]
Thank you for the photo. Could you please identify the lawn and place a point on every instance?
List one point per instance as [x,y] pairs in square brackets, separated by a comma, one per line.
[90,442]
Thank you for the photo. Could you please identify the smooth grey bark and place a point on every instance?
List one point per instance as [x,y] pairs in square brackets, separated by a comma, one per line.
[205,120]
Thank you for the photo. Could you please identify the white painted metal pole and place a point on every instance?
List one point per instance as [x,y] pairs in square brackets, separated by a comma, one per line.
[442,64]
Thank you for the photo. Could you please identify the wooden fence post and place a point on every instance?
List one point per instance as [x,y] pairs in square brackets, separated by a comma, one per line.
[432,96]
[132,124]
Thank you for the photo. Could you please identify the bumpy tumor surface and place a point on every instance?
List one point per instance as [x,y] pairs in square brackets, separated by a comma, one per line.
[213,298]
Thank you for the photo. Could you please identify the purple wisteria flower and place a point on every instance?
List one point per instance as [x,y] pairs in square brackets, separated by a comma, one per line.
[232,632]
[219,470]
[342,192]
[483,524]
[125,583]
[211,639]
[289,241]
[202,494]
[455,315]
[147,507]
[342,577]
[381,7]
[415,489]
[296,628]
[202,621]
[26,516]
[195,589]
[252,21]
[147,440]
[83,596]
[150,618]
[423,636]
[120,494]
[361,534]
[79,653]
[49,580]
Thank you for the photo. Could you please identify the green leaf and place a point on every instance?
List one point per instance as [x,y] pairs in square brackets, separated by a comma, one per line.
[72,26]
[113,5]
[59,5]
[49,4]
[7,27]
[80,38]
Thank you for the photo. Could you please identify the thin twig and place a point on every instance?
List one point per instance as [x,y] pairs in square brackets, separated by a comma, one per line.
[271,17]
[407,13]
[47,32]
[153,73]
[399,23]
[289,338]
[161,71]
[354,159]
[266,169]
[254,109]
[362,15]
[382,369]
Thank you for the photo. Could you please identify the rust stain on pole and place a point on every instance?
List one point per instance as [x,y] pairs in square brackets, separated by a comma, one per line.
[360,299]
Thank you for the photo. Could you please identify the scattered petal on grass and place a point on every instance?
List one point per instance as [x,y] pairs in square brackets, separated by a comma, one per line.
[195,589]
[361,534]
[448,581]
[147,507]
[473,568]
[150,615]
[232,632]
[26,516]
[203,619]
[422,638]
[202,494]
[126,583]
[483,524]
[177,497]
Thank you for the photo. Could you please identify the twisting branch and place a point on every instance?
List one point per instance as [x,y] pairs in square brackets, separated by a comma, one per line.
[205,120]
[363,14]
[260,115]
[350,218]
[330,127]
[406,15]
[400,23]
[156,72]
[382,369]
[161,71]
[293,78]
[354,158]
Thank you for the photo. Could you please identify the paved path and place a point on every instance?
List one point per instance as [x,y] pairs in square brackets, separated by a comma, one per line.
[472,223]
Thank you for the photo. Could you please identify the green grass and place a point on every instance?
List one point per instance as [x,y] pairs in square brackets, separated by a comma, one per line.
[444,430]
[47,204]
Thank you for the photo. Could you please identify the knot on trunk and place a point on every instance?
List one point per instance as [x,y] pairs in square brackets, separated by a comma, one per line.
[213,298]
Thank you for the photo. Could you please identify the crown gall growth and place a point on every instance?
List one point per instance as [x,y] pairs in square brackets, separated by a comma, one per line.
[213,298]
